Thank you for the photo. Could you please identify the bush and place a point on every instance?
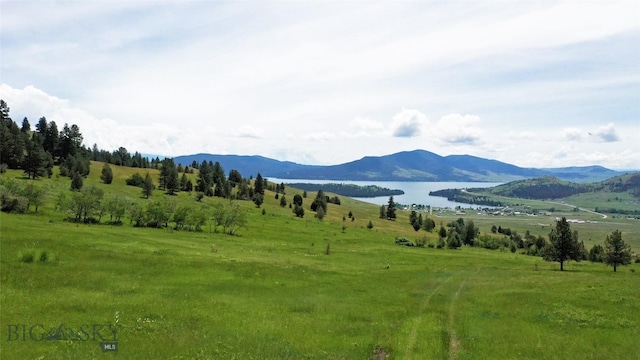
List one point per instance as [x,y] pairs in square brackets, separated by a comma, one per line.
[135,180]
[27,256]
[11,203]
[404,242]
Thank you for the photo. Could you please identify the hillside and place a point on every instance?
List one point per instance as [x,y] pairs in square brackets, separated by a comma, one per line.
[617,195]
[285,287]
[417,165]
[547,187]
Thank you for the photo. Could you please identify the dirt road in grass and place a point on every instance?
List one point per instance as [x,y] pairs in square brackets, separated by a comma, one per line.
[448,289]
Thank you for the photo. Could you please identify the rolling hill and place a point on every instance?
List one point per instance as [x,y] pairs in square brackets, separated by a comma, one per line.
[416,165]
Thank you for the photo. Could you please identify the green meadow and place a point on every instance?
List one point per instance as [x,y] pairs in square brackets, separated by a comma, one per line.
[299,288]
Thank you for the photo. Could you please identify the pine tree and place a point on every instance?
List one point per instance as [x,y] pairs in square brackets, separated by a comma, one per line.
[391,209]
[107,174]
[34,160]
[147,186]
[258,185]
[319,202]
[169,176]
[76,181]
[616,251]
[183,182]
[563,244]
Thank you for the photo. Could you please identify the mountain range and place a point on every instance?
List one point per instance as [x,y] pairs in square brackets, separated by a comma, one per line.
[416,165]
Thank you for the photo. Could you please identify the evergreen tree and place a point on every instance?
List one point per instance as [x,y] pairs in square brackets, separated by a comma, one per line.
[428,224]
[258,199]
[383,212]
[413,220]
[76,181]
[235,177]
[219,181]
[596,253]
[51,139]
[563,244]
[12,141]
[169,176]
[147,186]
[470,233]
[34,160]
[70,140]
[258,185]
[391,209]
[107,174]
[616,251]
[442,233]
[319,202]
[283,201]
[298,210]
[205,177]
[26,127]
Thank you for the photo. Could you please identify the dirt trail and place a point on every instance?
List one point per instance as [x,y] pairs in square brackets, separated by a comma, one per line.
[454,343]
[414,329]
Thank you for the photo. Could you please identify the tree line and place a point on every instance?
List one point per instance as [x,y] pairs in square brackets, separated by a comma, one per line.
[37,150]
[350,190]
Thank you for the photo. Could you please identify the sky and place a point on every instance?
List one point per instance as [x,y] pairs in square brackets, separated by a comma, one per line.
[534,84]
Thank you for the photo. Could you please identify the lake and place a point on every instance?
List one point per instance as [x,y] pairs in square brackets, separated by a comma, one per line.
[414,192]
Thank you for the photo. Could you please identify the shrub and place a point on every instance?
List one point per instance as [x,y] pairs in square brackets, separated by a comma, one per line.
[404,242]
[27,256]
[135,180]
[43,256]
[421,241]
[13,203]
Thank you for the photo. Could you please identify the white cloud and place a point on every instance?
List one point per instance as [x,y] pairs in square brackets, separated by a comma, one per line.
[573,134]
[365,127]
[248,131]
[408,123]
[457,128]
[607,133]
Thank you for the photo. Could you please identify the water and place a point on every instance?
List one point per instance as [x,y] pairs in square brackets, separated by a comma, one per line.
[414,192]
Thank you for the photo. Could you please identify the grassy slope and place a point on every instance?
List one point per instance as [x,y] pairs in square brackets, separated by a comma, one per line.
[272,293]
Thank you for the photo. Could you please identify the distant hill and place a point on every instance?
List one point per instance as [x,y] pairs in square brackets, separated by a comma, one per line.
[549,187]
[417,165]
[617,195]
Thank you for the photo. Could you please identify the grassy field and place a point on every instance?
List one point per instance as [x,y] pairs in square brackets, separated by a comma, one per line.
[291,288]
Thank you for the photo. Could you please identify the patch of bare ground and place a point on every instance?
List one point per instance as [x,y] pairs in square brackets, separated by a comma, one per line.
[379,354]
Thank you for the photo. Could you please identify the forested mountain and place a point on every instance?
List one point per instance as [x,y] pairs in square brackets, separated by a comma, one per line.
[617,195]
[549,187]
[417,165]
[244,164]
